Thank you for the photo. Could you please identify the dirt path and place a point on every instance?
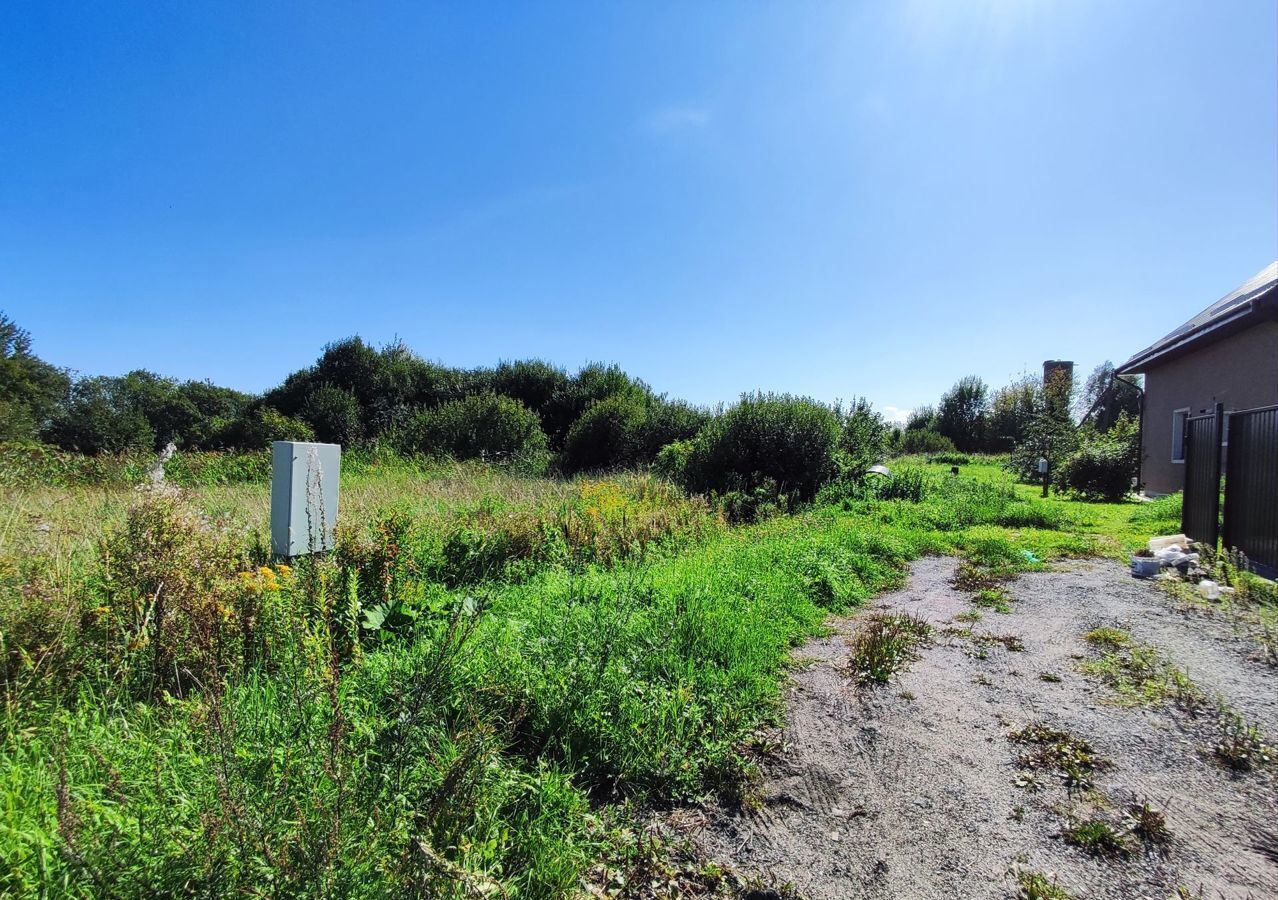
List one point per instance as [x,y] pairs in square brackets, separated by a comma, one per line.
[908,790]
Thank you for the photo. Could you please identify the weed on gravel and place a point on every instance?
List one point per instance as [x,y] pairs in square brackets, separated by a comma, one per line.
[995,598]
[1139,674]
[1055,750]
[1149,824]
[884,645]
[1242,747]
[1037,886]
[1097,837]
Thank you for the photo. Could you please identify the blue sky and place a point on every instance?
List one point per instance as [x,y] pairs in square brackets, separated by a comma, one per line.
[832,199]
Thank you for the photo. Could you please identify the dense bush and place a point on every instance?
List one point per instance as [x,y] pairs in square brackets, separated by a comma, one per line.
[772,442]
[533,382]
[627,430]
[607,435]
[334,415]
[863,438]
[1103,466]
[260,427]
[141,410]
[915,440]
[484,426]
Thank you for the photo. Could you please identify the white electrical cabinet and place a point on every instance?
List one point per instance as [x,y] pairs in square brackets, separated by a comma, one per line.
[304,479]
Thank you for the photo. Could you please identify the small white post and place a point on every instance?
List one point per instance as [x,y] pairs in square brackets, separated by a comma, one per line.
[304,480]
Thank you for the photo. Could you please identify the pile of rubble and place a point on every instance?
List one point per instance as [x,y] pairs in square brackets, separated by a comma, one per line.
[1176,558]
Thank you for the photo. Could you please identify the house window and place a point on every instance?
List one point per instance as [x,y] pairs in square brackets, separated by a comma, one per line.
[1180,428]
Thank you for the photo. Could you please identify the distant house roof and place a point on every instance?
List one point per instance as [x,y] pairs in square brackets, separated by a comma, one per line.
[1255,300]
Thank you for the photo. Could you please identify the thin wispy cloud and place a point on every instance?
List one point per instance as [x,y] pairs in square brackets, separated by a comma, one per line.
[895,415]
[669,119]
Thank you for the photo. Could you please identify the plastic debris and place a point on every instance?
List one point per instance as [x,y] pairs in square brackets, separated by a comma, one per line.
[1209,589]
[879,470]
[1029,557]
[1160,543]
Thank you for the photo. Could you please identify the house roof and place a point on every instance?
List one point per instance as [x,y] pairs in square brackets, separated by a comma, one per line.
[1253,300]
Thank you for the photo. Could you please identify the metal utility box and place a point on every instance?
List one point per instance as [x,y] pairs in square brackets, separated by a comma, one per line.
[304,480]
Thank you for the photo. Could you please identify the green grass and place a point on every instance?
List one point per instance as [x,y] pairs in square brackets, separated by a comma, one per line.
[477,694]
[1139,674]
[885,644]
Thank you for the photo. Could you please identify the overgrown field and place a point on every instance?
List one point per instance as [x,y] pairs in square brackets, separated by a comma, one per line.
[477,694]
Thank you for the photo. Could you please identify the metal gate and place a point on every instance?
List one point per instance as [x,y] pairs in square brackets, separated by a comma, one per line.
[1251,486]
[1200,517]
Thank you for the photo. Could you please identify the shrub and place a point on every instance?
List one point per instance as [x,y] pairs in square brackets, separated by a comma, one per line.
[1103,467]
[670,421]
[609,434]
[863,438]
[766,439]
[532,382]
[484,426]
[590,385]
[672,460]
[950,459]
[256,430]
[334,414]
[923,440]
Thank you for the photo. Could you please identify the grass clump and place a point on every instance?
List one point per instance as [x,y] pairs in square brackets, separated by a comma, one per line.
[995,598]
[1140,675]
[884,644]
[1037,886]
[1055,750]
[1108,638]
[1242,747]
[1097,837]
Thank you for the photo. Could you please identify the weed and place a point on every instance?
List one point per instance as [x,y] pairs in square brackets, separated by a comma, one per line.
[1148,824]
[995,598]
[968,617]
[1055,750]
[1097,837]
[1240,746]
[884,645]
[1108,638]
[1049,677]
[1140,674]
[1037,886]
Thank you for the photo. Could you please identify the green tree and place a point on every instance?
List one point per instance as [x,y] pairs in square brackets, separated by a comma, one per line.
[1012,409]
[30,388]
[863,437]
[100,415]
[1106,396]
[962,412]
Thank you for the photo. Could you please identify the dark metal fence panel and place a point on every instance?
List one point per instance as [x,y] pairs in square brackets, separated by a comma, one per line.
[1251,485]
[1200,518]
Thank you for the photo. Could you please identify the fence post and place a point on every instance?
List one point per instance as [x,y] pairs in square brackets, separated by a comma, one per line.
[1218,435]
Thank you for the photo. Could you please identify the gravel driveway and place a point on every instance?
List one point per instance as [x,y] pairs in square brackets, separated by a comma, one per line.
[911,790]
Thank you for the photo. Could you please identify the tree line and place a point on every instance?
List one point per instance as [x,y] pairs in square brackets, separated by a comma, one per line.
[537,416]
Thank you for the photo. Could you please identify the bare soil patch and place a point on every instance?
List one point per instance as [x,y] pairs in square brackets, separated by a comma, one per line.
[915,789]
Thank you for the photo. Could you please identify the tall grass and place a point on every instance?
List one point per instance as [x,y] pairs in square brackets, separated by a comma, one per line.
[455,703]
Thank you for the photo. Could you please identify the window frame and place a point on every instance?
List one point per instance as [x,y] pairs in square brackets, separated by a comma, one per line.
[1183,422]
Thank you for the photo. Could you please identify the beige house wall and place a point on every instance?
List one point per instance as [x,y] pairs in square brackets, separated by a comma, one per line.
[1240,371]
